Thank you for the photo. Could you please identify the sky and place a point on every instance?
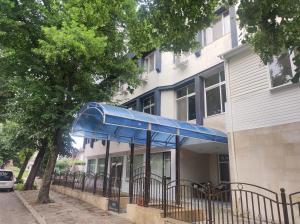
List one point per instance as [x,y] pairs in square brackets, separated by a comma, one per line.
[78,142]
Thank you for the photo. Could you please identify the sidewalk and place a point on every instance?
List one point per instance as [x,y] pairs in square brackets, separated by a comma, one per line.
[67,210]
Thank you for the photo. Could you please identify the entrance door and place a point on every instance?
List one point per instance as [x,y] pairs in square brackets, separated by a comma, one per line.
[115,182]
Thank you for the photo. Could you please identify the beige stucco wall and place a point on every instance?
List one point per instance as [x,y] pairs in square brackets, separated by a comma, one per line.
[269,156]
[199,167]
[216,122]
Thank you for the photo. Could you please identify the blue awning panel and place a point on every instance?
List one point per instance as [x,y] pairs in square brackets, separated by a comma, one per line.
[104,121]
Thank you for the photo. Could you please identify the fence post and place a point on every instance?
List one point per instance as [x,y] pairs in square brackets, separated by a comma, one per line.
[95,183]
[83,179]
[164,201]
[284,206]
[210,221]
[73,185]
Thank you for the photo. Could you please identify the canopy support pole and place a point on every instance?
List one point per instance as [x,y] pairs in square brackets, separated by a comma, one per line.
[147,170]
[131,173]
[106,168]
[177,196]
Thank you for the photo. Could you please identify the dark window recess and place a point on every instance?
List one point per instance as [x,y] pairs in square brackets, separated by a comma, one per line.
[192,108]
[84,143]
[92,143]
[223,92]
[224,168]
[213,105]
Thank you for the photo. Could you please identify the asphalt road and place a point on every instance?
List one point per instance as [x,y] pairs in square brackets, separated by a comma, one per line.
[12,211]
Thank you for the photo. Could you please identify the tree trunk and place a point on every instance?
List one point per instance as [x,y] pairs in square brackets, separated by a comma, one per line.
[26,160]
[43,196]
[29,184]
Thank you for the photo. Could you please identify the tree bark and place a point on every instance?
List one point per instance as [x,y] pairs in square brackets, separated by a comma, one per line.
[29,184]
[43,196]
[26,160]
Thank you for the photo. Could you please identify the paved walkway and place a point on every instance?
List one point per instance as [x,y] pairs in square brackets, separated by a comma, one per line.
[67,210]
[12,210]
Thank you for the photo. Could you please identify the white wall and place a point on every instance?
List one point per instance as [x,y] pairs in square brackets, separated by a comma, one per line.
[171,74]
[251,101]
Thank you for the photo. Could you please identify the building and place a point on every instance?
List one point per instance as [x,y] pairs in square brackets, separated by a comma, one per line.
[223,86]
[263,120]
[189,87]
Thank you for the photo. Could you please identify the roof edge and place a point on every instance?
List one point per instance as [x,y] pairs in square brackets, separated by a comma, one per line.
[234,51]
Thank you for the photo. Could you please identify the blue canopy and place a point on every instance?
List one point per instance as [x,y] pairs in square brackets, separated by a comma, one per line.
[104,121]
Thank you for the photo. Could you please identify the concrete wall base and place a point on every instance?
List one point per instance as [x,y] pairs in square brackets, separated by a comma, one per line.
[96,200]
[142,215]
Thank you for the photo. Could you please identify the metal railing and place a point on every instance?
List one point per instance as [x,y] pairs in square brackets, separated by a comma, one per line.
[232,203]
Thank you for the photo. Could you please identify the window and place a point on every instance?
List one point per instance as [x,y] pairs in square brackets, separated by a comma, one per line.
[100,165]
[91,166]
[219,28]
[161,164]
[149,63]
[223,168]
[148,105]
[132,106]
[281,69]
[186,108]
[138,162]
[215,94]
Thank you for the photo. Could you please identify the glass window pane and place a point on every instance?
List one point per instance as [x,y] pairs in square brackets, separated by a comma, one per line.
[280,70]
[152,110]
[222,75]
[182,109]
[192,108]
[226,22]
[209,35]
[213,104]
[167,167]
[147,110]
[156,163]
[181,92]
[223,91]
[100,166]
[191,88]
[147,102]
[217,29]
[91,165]
[138,162]
[211,80]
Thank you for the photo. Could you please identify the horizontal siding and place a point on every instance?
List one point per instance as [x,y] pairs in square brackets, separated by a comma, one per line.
[244,76]
[253,104]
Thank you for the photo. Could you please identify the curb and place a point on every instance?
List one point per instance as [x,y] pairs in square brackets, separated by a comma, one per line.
[37,217]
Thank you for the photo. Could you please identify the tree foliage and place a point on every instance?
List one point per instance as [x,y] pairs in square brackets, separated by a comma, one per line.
[271,27]
[57,55]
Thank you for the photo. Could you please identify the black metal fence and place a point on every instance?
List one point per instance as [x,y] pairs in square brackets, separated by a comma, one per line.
[88,182]
[230,203]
